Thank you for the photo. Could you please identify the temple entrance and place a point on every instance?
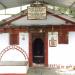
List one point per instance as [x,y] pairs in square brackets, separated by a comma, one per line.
[38,48]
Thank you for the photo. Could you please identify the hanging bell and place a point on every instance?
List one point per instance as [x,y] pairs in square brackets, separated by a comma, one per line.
[52,41]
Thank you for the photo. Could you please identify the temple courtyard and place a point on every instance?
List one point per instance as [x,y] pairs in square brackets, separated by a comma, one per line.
[48,71]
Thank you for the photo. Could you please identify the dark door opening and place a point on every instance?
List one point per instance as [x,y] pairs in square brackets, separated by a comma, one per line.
[38,51]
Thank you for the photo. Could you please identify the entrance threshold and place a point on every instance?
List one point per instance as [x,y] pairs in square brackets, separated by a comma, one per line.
[38,65]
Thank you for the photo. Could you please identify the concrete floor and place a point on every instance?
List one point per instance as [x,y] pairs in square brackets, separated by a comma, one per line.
[47,71]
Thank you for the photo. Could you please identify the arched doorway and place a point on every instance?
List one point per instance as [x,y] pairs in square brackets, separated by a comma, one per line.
[38,51]
[44,38]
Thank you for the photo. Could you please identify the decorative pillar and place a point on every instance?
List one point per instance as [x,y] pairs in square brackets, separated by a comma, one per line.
[30,50]
[46,49]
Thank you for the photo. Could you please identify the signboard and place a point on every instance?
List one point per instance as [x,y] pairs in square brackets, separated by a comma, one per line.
[36,13]
[52,42]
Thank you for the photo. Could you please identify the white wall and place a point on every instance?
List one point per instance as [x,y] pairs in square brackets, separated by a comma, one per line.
[4,40]
[63,53]
[24,41]
[13,70]
[13,54]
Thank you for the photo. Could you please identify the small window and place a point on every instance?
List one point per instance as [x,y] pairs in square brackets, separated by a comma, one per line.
[14,38]
[63,38]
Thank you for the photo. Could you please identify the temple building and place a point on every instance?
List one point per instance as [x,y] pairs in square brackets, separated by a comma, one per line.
[38,36]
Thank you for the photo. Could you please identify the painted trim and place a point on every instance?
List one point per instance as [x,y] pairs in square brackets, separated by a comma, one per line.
[44,28]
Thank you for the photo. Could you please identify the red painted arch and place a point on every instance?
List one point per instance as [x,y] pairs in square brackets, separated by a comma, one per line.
[13,47]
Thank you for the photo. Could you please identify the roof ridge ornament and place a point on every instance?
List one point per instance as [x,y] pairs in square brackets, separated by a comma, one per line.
[37,4]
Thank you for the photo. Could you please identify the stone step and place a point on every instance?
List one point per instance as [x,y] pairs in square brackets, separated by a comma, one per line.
[40,71]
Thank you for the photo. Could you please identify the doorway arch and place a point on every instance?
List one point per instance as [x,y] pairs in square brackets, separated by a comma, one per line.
[38,51]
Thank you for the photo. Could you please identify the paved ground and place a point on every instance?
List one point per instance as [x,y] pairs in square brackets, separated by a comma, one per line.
[47,71]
